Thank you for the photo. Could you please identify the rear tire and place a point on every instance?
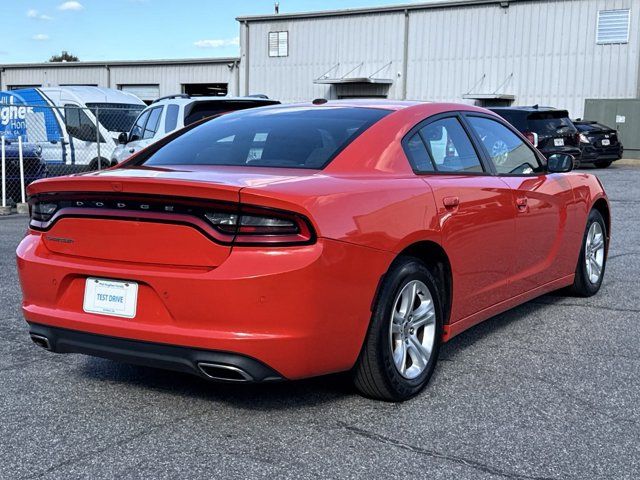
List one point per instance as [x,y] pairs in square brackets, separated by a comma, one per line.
[401,348]
[101,162]
[593,257]
[603,163]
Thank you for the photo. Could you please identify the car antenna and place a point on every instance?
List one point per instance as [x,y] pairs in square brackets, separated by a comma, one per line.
[536,106]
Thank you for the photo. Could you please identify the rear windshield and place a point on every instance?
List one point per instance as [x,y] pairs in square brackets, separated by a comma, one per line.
[549,123]
[590,127]
[116,117]
[306,137]
[204,109]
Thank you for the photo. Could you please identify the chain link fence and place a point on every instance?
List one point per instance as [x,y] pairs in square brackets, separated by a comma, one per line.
[40,141]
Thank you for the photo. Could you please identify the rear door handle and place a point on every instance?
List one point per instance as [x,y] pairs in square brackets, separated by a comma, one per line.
[451,202]
[521,202]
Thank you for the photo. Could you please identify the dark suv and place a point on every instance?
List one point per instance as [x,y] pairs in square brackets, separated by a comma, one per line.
[600,144]
[549,130]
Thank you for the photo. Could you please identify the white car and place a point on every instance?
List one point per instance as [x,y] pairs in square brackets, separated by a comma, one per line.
[61,120]
[168,114]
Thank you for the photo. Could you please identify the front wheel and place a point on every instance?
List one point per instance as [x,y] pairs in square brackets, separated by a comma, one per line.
[593,257]
[401,348]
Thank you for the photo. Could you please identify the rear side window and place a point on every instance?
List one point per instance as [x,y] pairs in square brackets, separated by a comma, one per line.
[418,155]
[509,154]
[449,147]
[171,118]
[307,137]
[204,109]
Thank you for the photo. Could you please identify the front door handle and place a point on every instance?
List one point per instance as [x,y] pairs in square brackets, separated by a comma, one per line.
[451,202]
[521,202]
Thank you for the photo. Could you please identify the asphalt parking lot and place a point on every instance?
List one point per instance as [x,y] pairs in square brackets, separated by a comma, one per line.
[549,390]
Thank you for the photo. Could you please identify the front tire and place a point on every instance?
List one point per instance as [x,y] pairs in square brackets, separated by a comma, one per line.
[603,163]
[593,257]
[401,348]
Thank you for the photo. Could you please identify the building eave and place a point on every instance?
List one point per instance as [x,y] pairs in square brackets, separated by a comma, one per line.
[123,63]
[369,10]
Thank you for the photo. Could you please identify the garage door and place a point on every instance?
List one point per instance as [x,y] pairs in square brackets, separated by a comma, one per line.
[146,93]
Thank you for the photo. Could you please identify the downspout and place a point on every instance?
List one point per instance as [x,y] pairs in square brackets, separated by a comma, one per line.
[246,58]
[1,72]
[237,67]
[405,55]
[108,76]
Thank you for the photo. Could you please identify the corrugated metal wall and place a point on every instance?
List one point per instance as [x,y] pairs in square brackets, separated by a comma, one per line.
[54,76]
[316,46]
[169,77]
[540,51]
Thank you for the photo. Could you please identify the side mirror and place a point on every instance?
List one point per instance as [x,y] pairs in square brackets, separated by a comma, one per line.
[560,163]
[123,138]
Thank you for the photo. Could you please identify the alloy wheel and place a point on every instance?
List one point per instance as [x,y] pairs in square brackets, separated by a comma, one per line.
[594,253]
[412,330]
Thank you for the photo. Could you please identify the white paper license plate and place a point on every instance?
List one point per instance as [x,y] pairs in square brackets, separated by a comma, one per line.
[558,142]
[110,297]
[605,142]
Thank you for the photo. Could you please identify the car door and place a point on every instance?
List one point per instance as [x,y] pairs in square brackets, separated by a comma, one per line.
[474,212]
[539,199]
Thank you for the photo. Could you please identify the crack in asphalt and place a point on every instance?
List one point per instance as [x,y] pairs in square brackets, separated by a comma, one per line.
[483,467]
[122,441]
[596,307]
[624,254]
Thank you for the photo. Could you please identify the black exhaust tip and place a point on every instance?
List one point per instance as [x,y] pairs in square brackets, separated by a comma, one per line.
[41,341]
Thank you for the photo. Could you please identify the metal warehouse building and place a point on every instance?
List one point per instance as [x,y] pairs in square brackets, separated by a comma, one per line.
[148,79]
[490,52]
[564,53]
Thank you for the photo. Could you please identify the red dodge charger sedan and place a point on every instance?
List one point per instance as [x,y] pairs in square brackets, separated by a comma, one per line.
[291,241]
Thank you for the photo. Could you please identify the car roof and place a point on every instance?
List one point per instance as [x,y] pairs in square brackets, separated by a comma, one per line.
[357,103]
[187,100]
[534,108]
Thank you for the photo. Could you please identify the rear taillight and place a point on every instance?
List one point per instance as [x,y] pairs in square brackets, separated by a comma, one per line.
[255,225]
[42,211]
[532,137]
[228,223]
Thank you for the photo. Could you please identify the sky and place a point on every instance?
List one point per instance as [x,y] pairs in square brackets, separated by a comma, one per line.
[34,30]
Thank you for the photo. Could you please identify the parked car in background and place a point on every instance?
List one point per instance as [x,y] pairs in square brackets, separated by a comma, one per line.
[62,122]
[599,144]
[34,166]
[548,129]
[174,112]
[291,241]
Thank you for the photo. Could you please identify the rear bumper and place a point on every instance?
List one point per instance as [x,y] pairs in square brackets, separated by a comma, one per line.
[302,311]
[169,357]
[594,154]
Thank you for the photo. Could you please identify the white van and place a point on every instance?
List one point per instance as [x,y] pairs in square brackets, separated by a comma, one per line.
[62,121]
[168,114]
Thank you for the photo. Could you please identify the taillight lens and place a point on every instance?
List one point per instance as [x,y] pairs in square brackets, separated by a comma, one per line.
[42,211]
[532,137]
[253,225]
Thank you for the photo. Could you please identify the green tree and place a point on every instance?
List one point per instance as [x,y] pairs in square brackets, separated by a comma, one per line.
[64,57]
